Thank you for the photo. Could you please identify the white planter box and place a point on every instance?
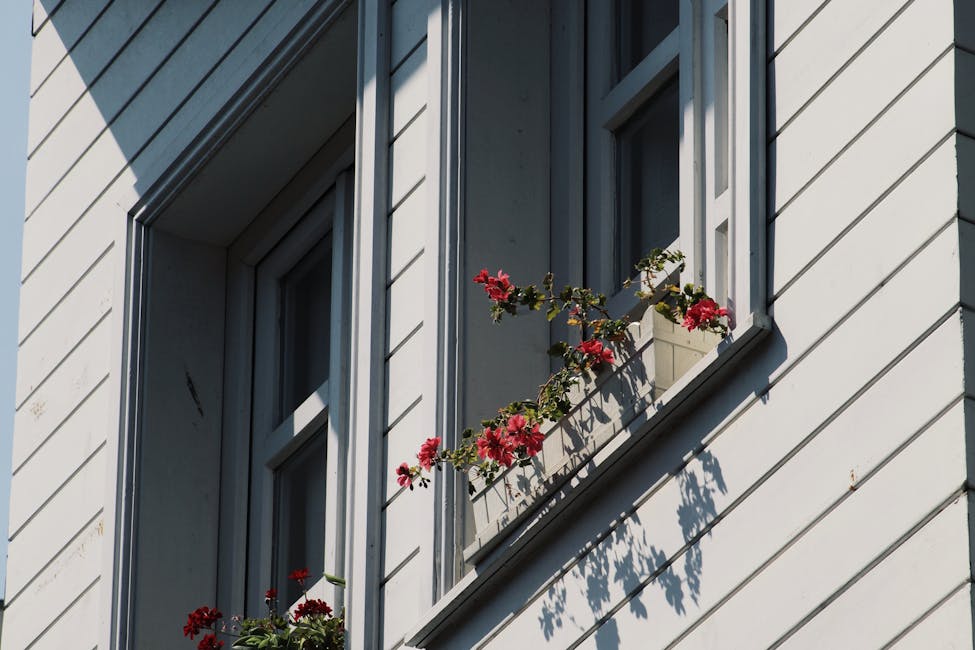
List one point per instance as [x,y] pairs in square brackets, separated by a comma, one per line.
[637,380]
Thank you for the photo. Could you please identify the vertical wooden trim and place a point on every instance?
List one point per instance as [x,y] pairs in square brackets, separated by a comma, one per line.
[122,512]
[749,186]
[367,405]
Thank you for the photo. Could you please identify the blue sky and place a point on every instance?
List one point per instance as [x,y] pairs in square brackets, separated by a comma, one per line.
[14,80]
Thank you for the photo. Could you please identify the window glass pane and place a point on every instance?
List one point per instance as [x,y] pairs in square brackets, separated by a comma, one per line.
[641,26]
[306,298]
[648,177]
[299,503]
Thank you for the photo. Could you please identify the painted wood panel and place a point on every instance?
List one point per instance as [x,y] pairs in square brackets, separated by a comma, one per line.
[409,27]
[408,90]
[55,401]
[71,321]
[51,45]
[74,573]
[948,627]
[73,628]
[401,604]
[786,19]
[861,175]
[36,481]
[833,40]
[849,538]
[60,521]
[408,156]
[872,612]
[792,498]
[405,308]
[406,232]
[861,92]
[102,103]
[406,527]
[402,388]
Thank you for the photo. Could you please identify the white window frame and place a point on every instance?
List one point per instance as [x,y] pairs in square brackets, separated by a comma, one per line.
[692,52]
[263,253]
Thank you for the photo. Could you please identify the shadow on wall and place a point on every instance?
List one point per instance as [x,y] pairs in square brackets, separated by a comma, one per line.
[631,560]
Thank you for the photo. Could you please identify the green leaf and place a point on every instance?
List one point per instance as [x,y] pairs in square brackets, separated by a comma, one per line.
[559,349]
[335,580]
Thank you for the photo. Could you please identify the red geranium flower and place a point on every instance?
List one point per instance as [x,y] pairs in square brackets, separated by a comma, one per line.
[200,618]
[404,476]
[596,352]
[497,288]
[531,439]
[299,576]
[270,594]
[702,314]
[312,607]
[428,452]
[496,444]
[209,642]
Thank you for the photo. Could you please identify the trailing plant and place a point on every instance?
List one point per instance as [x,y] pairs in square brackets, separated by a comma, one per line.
[312,625]
[514,435]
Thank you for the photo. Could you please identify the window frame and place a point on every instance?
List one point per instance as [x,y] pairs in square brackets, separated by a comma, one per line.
[269,247]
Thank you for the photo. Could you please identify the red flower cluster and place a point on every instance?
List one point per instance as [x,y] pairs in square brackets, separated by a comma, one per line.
[404,476]
[299,576]
[209,642]
[312,607]
[531,439]
[497,288]
[428,452]
[200,618]
[596,352]
[270,595]
[497,445]
[701,314]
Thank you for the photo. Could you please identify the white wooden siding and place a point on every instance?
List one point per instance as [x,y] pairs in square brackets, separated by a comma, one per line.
[119,90]
[822,478]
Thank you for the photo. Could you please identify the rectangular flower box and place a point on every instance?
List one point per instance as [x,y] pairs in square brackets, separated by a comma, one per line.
[662,352]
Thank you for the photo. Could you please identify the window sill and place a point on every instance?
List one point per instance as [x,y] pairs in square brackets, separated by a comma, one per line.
[595,454]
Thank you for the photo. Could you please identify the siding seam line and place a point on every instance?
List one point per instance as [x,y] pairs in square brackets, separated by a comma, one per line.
[54,556]
[859,134]
[406,339]
[408,194]
[61,423]
[128,102]
[130,160]
[84,274]
[406,267]
[63,612]
[870,566]
[745,494]
[63,358]
[927,613]
[860,217]
[843,67]
[409,53]
[58,490]
[802,26]
[91,84]
[415,552]
[402,415]
[823,515]
[36,29]
[784,548]
[67,52]
[409,123]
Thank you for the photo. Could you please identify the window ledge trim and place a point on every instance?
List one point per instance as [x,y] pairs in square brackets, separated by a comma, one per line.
[500,548]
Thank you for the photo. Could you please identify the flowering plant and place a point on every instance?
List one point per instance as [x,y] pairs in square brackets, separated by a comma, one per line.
[312,626]
[513,436]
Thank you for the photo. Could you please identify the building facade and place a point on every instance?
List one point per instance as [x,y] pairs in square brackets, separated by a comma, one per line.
[250,232]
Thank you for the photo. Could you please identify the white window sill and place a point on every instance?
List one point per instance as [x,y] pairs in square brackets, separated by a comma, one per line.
[505,538]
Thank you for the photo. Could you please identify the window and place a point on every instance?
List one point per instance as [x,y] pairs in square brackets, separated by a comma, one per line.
[296,437]
[657,161]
